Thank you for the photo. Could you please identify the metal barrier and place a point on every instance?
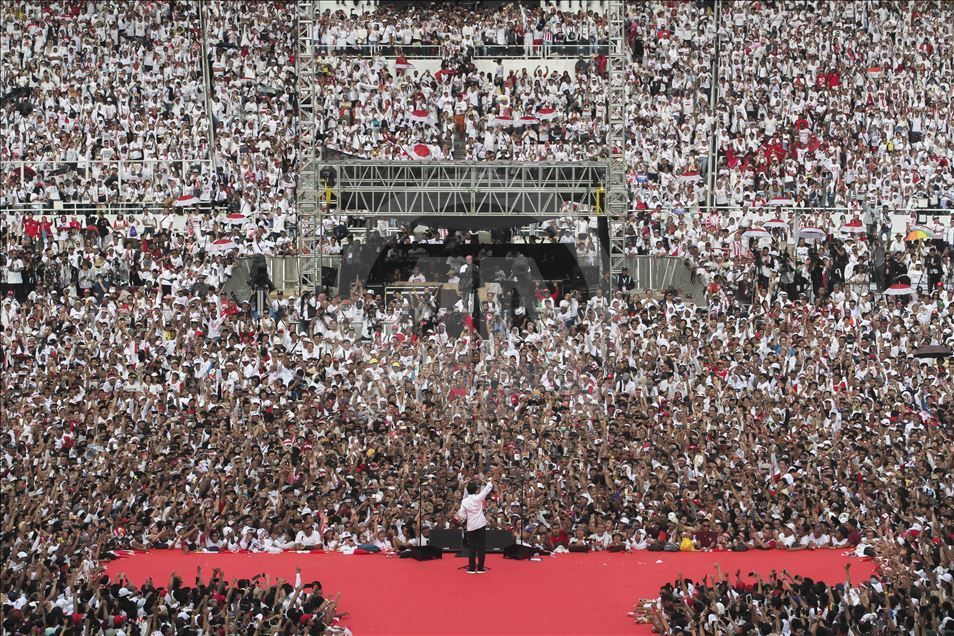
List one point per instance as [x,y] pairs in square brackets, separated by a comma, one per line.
[659,273]
[479,51]
[158,173]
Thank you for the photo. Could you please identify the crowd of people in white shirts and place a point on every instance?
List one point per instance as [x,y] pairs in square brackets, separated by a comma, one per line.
[525,30]
[143,407]
[159,412]
[106,104]
[832,106]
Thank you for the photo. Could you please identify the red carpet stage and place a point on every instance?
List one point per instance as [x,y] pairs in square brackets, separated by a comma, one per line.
[565,594]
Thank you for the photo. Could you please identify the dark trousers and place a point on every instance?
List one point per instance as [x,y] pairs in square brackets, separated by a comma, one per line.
[476,548]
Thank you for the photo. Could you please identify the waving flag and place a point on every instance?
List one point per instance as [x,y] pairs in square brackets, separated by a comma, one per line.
[689,176]
[420,116]
[186,200]
[423,152]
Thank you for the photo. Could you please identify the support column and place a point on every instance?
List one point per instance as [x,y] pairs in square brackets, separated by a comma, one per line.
[616,203]
[309,191]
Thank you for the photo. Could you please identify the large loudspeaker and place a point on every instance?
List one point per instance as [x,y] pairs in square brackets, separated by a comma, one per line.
[520,552]
[496,541]
[422,553]
[451,540]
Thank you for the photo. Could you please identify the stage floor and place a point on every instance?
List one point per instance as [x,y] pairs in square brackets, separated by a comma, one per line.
[563,594]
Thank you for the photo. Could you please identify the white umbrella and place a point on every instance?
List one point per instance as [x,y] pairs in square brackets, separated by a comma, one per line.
[899,289]
[756,232]
[222,245]
[812,234]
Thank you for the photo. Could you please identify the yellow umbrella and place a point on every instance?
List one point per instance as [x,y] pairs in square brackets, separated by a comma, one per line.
[918,235]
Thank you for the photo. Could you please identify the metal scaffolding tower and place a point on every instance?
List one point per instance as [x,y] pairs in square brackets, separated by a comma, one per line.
[616,198]
[310,190]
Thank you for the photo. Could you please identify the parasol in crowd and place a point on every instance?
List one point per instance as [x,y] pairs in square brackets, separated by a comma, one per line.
[756,233]
[919,234]
[899,289]
[812,234]
[932,351]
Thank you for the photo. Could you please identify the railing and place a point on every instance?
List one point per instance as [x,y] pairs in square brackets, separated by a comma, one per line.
[660,273]
[158,173]
[479,50]
[108,209]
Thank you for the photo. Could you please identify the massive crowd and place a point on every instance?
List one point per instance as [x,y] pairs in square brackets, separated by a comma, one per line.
[864,119]
[109,103]
[438,26]
[829,106]
[151,411]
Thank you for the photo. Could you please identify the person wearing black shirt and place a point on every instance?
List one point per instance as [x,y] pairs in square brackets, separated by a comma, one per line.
[934,269]
[625,282]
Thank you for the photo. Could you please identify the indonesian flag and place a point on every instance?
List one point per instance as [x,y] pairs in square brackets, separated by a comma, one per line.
[420,116]
[689,176]
[778,201]
[423,152]
[527,121]
[502,120]
[235,219]
[401,63]
[874,71]
[546,114]
[186,200]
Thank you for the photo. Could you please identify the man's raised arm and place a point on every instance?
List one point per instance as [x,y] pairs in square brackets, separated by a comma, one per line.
[486,491]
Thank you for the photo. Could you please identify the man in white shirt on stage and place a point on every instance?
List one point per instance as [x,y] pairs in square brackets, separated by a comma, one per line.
[471,516]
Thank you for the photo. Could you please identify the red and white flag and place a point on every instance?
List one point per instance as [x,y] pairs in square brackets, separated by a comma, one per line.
[186,200]
[401,64]
[423,152]
[502,120]
[781,201]
[689,176]
[420,116]
[527,121]
[546,114]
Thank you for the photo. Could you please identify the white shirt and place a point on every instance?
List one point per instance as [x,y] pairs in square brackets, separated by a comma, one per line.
[472,509]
